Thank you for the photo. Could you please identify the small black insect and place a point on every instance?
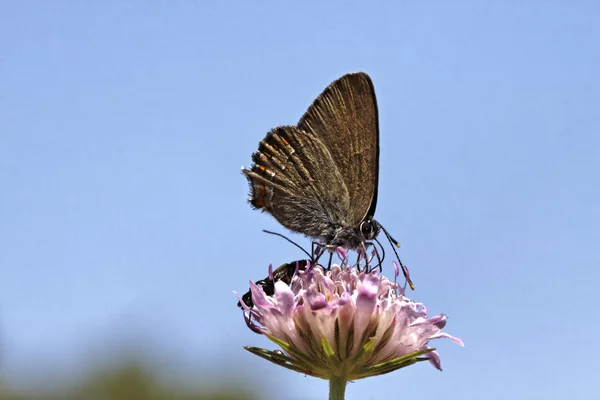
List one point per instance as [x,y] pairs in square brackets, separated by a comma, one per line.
[284,273]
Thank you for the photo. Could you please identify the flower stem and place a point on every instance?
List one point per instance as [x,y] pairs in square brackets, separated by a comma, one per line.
[337,388]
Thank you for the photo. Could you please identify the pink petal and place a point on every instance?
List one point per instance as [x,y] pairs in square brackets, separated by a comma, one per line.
[434,358]
[285,298]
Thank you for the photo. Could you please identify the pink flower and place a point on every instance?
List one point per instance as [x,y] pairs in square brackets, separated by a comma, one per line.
[343,324]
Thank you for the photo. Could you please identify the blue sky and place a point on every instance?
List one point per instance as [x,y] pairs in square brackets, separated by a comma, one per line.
[123,213]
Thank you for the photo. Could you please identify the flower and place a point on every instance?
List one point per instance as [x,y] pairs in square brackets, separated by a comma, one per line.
[343,324]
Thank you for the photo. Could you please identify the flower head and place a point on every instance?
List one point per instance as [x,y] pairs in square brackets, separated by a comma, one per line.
[343,323]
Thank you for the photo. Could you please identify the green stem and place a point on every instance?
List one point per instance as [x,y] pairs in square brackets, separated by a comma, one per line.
[337,388]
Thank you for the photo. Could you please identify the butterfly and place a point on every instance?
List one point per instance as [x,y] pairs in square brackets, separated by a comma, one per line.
[320,177]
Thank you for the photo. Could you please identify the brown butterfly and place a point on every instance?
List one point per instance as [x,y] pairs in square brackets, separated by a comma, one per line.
[320,176]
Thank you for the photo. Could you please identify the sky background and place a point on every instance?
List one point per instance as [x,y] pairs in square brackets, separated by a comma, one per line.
[123,214]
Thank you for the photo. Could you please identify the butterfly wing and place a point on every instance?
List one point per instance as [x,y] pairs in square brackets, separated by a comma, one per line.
[345,118]
[295,178]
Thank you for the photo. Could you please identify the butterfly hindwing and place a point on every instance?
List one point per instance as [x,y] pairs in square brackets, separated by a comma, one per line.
[295,178]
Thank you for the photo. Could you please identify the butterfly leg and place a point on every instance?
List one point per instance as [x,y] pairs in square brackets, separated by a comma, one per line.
[375,254]
[362,251]
[329,264]
[358,261]
[316,253]
[318,249]
[361,254]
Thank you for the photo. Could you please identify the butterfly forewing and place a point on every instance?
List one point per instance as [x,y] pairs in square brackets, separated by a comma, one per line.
[345,118]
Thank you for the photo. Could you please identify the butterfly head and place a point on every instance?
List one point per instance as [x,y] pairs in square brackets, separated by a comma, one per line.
[352,237]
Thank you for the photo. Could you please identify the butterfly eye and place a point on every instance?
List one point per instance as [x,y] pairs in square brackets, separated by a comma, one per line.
[367,229]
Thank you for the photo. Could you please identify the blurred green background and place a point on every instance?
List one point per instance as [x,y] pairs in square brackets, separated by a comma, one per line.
[133,377]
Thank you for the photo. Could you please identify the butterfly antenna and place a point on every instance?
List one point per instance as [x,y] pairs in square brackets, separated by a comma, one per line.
[402,267]
[289,240]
